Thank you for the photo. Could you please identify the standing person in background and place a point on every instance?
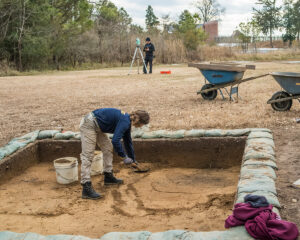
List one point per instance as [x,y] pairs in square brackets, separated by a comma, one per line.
[148,49]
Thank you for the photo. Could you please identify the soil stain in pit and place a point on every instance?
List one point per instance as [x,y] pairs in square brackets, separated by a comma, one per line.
[164,198]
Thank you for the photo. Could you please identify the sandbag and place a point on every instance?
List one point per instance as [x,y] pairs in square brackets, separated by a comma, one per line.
[265,149]
[143,235]
[214,133]
[47,134]
[254,171]
[34,236]
[276,210]
[153,134]
[261,130]
[173,134]
[260,142]
[138,132]
[260,135]
[8,149]
[194,133]
[18,143]
[258,155]
[77,135]
[64,135]
[257,184]
[168,235]
[238,132]
[260,162]
[236,233]
[271,197]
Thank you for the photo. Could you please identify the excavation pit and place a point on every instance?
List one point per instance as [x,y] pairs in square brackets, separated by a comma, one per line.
[191,186]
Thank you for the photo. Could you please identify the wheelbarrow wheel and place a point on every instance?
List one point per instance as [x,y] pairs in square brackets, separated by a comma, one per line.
[284,105]
[211,95]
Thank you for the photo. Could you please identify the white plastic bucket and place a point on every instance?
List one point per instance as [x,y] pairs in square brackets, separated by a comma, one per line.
[66,170]
[97,164]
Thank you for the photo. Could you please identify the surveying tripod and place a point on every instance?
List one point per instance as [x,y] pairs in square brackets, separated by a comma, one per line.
[136,56]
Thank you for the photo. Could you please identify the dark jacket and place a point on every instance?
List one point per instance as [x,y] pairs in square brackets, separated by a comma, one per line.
[149,54]
[111,120]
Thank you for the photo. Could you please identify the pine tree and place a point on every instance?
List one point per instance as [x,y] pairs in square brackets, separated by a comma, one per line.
[188,28]
[151,20]
[288,22]
[268,17]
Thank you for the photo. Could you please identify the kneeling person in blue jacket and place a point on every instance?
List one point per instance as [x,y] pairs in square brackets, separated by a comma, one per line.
[93,129]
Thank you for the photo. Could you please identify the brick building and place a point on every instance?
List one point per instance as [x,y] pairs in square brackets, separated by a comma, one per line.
[211,28]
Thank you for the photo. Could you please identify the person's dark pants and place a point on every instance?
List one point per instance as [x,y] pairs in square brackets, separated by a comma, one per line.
[148,60]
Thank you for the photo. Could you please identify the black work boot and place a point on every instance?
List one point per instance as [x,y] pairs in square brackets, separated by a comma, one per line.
[110,179]
[88,191]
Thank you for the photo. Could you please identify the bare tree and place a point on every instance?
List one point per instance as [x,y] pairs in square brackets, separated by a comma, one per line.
[21,31]
[209,10]
[5,18]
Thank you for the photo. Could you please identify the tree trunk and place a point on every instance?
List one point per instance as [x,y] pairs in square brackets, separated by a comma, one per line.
[73,61]
[22,23]
[120,43]
[100,49]
[271,37]
[56,63]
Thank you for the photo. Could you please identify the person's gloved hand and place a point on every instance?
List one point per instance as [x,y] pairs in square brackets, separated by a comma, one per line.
[135,164]
[127,160]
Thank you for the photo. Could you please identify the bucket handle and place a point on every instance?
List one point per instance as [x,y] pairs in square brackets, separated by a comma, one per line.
[63,177]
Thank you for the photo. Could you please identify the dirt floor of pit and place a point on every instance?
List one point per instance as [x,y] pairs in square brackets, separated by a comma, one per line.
[163,199]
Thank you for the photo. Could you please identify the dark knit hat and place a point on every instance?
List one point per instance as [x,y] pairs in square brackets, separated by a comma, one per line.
[148,39]
[256,200]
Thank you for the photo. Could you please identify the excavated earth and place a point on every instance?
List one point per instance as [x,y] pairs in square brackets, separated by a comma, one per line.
[165,198]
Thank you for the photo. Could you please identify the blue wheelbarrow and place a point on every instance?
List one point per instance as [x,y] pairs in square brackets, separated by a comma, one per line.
[221,75]
[290,82]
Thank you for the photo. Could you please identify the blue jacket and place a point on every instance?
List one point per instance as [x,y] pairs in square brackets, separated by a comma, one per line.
[112,120]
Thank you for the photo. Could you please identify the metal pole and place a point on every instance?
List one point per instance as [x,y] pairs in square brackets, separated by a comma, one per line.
[138,61]
[143,58]
[133,58]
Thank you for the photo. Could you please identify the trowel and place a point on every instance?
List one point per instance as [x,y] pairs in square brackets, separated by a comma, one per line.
[137,168]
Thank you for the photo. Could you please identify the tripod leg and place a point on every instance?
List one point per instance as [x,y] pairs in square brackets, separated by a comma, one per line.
[133,58]
[138,62]
[143,59]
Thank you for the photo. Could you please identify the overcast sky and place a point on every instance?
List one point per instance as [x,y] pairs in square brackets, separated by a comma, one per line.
[236,10]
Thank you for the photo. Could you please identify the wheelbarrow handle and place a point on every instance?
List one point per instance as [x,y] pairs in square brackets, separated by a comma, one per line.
[217,86]
[251,67]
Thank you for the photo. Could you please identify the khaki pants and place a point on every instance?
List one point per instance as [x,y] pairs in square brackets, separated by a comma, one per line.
[91,135]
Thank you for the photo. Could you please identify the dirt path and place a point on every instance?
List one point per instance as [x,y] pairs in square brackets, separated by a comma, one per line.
[287,143]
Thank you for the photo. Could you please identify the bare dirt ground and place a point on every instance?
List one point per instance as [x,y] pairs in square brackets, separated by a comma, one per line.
[61,99]
[163,199]
[288,161]
[47,101]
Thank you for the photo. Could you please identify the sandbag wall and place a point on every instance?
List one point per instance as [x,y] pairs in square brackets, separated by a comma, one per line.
[257,176]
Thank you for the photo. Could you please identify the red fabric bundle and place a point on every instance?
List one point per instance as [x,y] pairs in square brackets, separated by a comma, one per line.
[261,223]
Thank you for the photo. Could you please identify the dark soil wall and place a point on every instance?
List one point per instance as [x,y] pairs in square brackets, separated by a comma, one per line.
[19,161]
[214,152]
[49,150]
